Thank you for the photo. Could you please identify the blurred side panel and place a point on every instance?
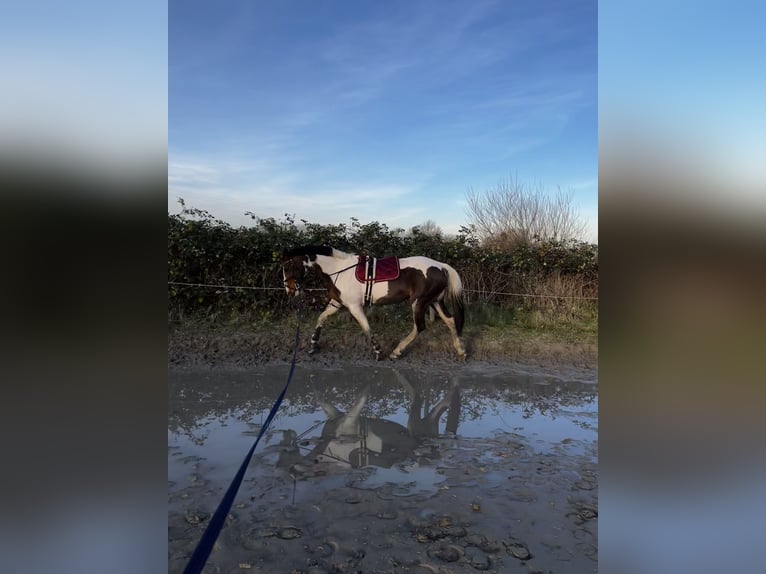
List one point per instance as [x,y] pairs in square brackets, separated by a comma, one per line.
[683,276]
[83,183]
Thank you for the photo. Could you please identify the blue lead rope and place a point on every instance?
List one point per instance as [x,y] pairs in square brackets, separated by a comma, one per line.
[205,545]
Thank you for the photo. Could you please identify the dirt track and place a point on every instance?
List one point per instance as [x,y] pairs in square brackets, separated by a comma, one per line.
[341,345]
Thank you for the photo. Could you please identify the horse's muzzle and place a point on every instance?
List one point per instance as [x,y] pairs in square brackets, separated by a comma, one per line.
[292,287]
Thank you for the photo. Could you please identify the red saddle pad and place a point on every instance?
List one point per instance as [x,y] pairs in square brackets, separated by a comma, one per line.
[386,269]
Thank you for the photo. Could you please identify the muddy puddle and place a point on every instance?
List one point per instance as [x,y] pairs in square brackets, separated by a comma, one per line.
[381,469]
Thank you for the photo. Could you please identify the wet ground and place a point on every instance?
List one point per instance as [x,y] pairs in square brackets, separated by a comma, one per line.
[460,468]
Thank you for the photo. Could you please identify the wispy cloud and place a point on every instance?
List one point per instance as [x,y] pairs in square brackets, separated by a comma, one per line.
[226,190]
[545,98]
[191,175]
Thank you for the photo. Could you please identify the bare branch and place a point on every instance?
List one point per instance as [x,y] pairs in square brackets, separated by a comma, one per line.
[513,212]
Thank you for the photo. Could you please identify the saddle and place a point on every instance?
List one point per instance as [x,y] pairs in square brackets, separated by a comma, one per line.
[371,270]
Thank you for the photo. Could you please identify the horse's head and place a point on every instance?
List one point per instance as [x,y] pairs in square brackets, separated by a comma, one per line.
[293,272]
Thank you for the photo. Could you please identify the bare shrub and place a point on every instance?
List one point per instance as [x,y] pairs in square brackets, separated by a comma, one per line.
[557,293]
[514,212]
[429,227]
[488,284]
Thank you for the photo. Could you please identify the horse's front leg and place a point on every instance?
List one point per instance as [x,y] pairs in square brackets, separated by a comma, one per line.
[331,309]
[358,313]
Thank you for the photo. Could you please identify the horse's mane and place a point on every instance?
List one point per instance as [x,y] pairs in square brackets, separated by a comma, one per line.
[314,250]
[338,254]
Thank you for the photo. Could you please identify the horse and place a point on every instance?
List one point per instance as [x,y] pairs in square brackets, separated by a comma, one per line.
[353,281]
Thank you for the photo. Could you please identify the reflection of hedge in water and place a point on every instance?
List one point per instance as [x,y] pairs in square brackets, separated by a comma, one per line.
[202,249]
[194,411]
[540,400]
[196,399]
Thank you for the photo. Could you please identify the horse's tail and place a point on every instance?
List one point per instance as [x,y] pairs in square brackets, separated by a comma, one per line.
[455,295]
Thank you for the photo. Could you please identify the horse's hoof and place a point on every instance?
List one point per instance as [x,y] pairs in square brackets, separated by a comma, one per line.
[312,351]
[393,356]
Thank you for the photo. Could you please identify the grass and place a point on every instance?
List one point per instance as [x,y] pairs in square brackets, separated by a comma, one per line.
[573,325]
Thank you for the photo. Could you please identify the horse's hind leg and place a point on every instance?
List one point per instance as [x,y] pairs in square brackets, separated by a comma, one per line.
[450,322]
[419,316]
[358,313]
[331,309]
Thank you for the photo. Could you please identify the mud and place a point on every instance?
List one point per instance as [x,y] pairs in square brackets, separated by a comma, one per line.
[452,468]
[264,345]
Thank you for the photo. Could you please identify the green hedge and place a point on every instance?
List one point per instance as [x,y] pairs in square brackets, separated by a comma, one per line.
[202,249]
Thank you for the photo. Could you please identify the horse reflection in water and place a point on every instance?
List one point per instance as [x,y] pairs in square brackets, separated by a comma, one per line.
[351,439]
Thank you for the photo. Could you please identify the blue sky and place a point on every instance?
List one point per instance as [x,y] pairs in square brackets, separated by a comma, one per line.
[683,84]
[385,111]
[84,83]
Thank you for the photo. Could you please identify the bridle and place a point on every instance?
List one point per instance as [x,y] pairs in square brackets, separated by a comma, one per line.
[293,279]
[291,263]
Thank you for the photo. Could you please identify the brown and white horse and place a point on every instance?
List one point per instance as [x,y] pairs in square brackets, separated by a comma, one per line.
[351,282]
